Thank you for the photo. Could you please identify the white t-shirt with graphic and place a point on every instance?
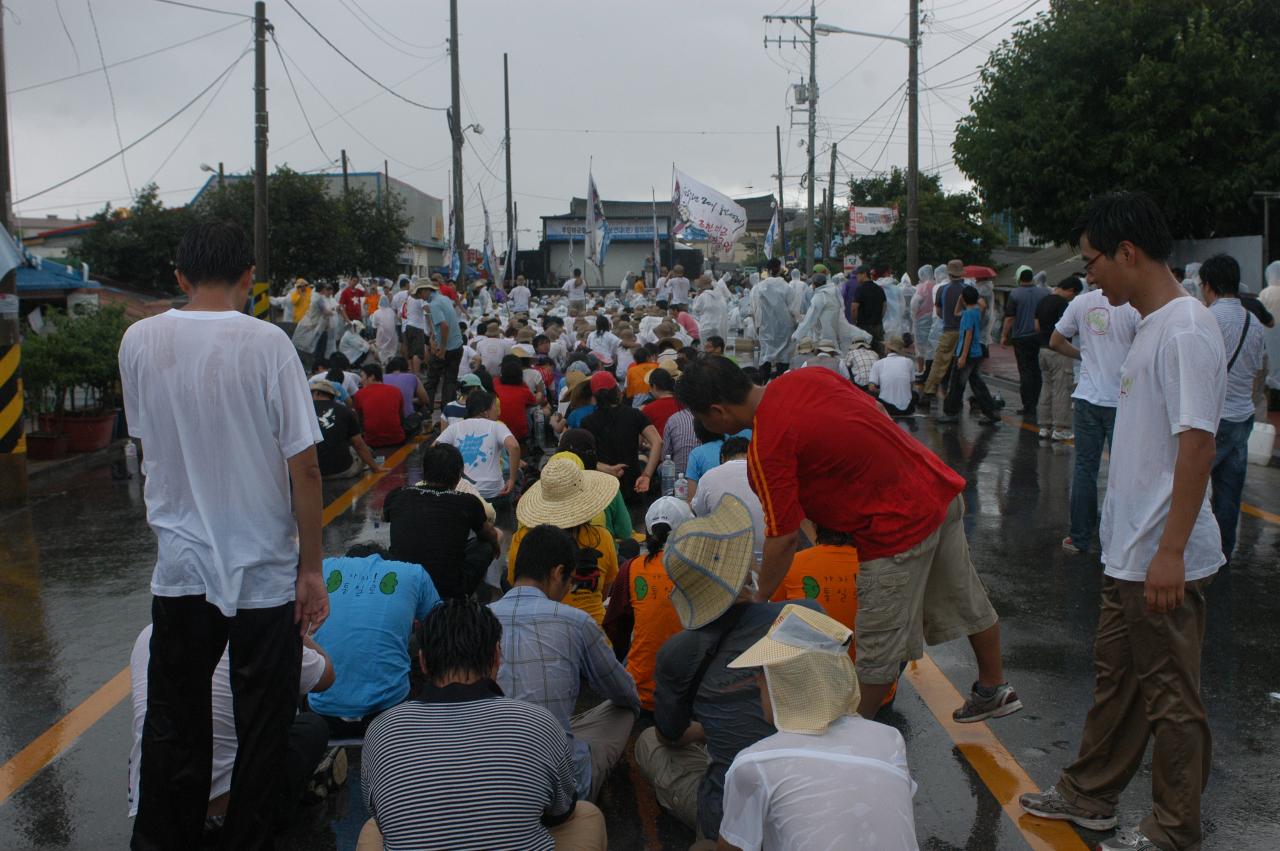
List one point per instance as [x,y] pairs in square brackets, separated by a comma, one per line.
[1103,334]
[1172,380]
[480,440]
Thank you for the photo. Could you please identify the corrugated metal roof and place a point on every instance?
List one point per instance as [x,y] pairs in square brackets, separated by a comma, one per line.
[51,275]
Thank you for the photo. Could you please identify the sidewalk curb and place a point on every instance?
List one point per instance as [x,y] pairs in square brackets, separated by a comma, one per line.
[78,462]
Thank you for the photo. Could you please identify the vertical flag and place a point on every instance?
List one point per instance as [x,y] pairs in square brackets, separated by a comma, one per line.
[509,270]
[771,234]
[490,258]
[570,254]
[657,248]
[597,241]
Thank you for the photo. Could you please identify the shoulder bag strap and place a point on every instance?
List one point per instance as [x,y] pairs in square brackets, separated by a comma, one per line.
[1240,345]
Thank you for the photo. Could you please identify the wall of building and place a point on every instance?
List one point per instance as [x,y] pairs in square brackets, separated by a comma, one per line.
[621,258]
[1247,251]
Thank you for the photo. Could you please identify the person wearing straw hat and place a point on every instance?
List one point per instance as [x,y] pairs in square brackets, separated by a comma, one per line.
[704,711]
[640,617]
[343,453]
[415,323]
[549,648]
[854,470]
[891,378]
[572,498]
[828,778]
[580,445]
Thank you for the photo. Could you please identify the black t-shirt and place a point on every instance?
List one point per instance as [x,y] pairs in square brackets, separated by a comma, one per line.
[431,528]
[1048,312]
[338,425]
[870,300]
[617,430]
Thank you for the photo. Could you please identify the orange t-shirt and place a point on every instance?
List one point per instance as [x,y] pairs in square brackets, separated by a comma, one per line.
[589,600]
[637,375]
[656,621]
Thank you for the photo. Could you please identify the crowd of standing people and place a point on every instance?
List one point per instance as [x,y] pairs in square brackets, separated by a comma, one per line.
[739,581]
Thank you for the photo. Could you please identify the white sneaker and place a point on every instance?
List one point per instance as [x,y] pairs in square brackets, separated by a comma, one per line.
[1061,434]
[1044,433]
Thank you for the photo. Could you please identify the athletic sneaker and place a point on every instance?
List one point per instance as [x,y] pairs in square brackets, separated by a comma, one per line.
[330,774]
[1050,804]
[1045,432]
[1062,434]
[988,702]
[1070,546]
[1128,840]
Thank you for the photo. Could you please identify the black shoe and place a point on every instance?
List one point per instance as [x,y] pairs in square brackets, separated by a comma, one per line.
[946,418]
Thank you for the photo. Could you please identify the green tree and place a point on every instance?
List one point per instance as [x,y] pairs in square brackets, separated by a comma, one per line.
[951,223]
[1174,97]
[136,246]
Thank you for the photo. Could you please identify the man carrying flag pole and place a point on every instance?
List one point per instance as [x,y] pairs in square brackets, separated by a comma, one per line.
[657,248]
[771,234]
[597,238]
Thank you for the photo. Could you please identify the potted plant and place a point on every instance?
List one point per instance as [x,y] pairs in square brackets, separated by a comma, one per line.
[84,375]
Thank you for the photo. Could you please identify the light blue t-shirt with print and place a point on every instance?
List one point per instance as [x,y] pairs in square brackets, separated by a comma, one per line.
[372,605]
[971,320]
[707,456]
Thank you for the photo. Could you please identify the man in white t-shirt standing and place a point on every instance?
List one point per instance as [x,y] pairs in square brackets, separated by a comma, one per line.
[576,289]
[519,296]
[1103,333]
[679,286]
[1160,544]
[227,469]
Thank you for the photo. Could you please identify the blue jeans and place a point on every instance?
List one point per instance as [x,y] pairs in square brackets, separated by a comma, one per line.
[1230,463]
[1093,425]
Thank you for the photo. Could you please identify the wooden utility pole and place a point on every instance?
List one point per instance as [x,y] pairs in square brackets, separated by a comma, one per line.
[455,130]
[831,210]
[506,143]
[813,116]
[346,187]
[913,144]
[261,246]
[13,444]
[782,210]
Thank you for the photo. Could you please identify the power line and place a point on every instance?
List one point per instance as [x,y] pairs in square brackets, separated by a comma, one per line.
[297,99]
[137,141]
[58,6]
[375,34]
[111,95]
[196,123]
[353,64]
[436,46]
[206,9]
[124,61]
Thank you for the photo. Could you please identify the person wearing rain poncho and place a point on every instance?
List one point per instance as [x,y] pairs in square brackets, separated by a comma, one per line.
[385,341]
[1191,281]
[315,336]
[746,307]
[893,306]
[1270,298]
[824,320]
[828,778]
[921,314]
[710,310]
[295,302]
[771,310]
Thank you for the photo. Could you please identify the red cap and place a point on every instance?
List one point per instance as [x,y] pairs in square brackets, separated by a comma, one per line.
[602,381]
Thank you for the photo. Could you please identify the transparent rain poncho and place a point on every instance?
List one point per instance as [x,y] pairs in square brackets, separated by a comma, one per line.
[1270,297]
[921,312]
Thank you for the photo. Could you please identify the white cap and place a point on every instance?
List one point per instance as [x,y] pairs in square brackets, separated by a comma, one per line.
[669,510]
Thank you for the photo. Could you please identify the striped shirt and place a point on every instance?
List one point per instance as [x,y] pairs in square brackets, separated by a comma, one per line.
[1230,313]
[679,439]
[467,768]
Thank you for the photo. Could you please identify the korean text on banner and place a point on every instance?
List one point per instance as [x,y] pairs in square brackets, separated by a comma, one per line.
[704,215]
[864,221]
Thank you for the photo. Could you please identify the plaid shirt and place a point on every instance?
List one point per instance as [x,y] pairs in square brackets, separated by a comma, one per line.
[860,362]
[547,649]
[679,438]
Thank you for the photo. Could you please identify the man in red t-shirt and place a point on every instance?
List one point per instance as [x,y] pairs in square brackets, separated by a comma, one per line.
[822,450]
[352,299]
[662,384]
[379,406]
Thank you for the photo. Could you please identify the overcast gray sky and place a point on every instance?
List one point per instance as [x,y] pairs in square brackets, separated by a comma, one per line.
[636,85]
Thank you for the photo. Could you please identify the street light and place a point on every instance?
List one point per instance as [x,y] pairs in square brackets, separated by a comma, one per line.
[828,29]
[218,171]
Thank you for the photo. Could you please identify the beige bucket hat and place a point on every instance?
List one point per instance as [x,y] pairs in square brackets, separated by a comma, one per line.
[566,495]
[805,656]
[709,559]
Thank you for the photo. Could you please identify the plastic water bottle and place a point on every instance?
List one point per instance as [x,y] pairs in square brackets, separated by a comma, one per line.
[667,474]
[539,430]
[131,459]
[681,487]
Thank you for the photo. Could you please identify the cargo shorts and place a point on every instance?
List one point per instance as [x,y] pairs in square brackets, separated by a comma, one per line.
[930,593]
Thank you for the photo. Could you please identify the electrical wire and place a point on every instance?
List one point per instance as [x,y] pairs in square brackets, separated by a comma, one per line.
[139,140]
[120,62]
[297,99]
[353,64]
[205,9]
[437,46]
[201,115]
[376,35]
[111,96]
[58,6]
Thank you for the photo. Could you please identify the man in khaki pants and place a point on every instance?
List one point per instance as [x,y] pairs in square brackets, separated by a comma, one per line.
[945,299]
[1056,370]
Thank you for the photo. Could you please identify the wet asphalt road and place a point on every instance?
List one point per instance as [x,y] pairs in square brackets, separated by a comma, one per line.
[75,564]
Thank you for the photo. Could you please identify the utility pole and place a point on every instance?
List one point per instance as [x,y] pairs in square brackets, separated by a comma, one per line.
[261,247]
[782,210]
[222,178]
[13,444]
[386,182]
[913,144]
[831,207]
[346,187]
[455,130]
[506,143]
[808,24]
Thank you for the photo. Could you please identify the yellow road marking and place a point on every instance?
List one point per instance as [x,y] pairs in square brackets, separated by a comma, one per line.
[1251,510]
[990,759]
[55,741]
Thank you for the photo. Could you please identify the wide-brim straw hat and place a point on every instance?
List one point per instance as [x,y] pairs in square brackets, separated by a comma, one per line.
[709,560]
[812,681]
[525,335]
[492,330]
[566,495]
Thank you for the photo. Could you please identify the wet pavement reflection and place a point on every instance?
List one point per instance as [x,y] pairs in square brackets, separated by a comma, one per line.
[75,566]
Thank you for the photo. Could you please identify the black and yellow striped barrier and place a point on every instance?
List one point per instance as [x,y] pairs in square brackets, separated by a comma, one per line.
[11,437]
[260,306]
